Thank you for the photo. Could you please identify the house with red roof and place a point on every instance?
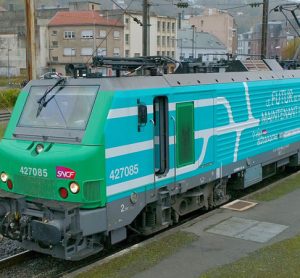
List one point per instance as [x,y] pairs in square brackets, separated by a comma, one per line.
[77,36]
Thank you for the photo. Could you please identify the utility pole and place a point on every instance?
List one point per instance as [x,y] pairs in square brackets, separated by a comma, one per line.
[8,66]
[146,29]
[193,42]
[30,44]
[264,33]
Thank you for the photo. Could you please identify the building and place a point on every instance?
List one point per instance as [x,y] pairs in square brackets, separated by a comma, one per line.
[84,6]
[12,53]
[193,44]
[219,23]
[276,41]
[166,36]
[76,36]
[162,33]
[244,45]
[13,33]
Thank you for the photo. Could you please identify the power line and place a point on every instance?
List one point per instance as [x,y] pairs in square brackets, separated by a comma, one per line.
[125,11]
[117,22]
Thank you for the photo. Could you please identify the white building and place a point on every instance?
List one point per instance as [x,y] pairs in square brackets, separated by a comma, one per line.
[163,34]
[244,45]
[12,55]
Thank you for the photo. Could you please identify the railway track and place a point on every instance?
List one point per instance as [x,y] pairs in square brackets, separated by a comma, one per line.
[5,116]
[45,266]
[17,259]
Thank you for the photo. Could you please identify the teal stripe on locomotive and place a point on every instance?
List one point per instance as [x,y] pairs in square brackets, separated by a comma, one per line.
[232,121]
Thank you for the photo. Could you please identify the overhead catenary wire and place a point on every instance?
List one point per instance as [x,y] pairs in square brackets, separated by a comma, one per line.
[111,29]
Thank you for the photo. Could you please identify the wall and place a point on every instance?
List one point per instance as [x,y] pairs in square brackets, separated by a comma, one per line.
[221,25]
[17,54]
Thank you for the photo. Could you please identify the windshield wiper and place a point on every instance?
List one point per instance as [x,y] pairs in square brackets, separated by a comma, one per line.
[42,101]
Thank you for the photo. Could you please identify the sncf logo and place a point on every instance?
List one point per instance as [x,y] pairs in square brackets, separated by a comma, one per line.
[65,173]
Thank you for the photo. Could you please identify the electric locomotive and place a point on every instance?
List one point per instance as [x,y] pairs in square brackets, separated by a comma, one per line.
[84,160]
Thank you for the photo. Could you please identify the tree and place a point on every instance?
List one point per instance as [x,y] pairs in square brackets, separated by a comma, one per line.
[289,51]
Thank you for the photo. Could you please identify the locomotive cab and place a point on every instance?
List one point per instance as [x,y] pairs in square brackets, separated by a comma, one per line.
[52,186]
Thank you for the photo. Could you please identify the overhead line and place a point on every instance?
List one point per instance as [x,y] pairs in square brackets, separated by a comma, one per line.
[117,22]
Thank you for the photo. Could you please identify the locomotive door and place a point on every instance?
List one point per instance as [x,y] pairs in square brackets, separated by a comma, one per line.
[161,136]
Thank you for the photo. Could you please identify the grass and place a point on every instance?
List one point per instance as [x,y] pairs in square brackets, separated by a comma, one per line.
[12,80]
[278,260]
[2,129]
[8,97]
[141,258]
[279,189]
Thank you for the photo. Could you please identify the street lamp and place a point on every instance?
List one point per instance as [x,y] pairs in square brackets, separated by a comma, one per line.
[193,26]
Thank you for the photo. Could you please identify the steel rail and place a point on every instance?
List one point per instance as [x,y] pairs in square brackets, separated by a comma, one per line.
[17,259]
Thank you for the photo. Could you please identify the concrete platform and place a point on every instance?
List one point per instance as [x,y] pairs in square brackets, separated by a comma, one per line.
[227,235]
[223,236]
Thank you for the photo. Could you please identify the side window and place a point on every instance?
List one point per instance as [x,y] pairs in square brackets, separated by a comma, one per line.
[185,141]
[161,136]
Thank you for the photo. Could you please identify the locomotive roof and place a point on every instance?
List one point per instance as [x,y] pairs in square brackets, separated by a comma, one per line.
[174,80]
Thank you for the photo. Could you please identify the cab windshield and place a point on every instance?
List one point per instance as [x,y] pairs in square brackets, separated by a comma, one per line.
[67,107]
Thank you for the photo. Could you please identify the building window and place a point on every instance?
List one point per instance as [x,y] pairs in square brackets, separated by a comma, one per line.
[168,26]
[158,53]
[54,44]
[87,34]
[158,26]
[173,54]
[173,41]
[168,41]
[116,51]
[173,27]
[168,53]
[69,51]
[54,32]
[163,53]
[127,53]
[69,35]
[164,26]
[137,54]
[86,51]
[102,34]
[158,41]
[127,39]
[163,41]
[116,34]
[55,58]
[127,22]
[101,51]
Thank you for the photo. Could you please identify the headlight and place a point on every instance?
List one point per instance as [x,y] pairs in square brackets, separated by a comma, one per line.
[74,187]
[39,148]
[4,177]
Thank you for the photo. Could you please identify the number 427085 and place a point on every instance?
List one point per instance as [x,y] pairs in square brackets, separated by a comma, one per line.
[122,172]
[36,172]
